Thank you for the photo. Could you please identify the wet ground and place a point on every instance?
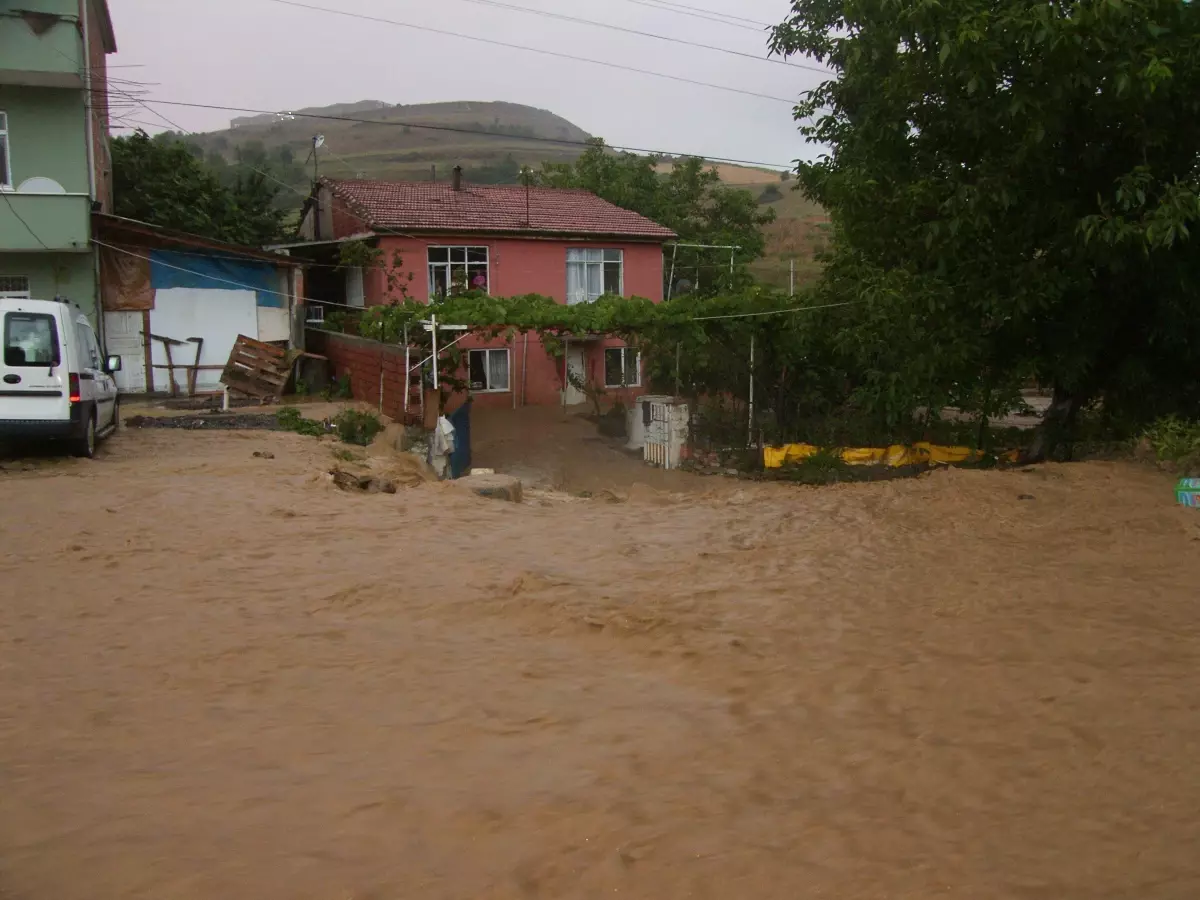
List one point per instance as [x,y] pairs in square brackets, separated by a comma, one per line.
[222,677]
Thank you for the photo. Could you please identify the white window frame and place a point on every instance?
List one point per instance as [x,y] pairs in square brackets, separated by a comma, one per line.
[487,368]
[601,262]
[624,352]
[15,294]
[449,266]
[314,314]
[6,180]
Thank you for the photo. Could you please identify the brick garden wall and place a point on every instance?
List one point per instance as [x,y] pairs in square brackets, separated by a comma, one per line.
[363,360]
[535,376]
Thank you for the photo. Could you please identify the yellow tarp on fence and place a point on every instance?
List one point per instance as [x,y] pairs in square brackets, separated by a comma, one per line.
[895,456]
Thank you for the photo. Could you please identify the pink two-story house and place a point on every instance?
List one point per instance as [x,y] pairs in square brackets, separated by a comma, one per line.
[506,240]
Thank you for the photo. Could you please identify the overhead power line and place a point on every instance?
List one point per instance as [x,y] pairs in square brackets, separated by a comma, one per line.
[658,37]
[469,37]
[686,7]
[395,123]
[696,13]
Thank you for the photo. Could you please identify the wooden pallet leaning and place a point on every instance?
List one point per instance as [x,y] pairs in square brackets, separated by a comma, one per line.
[256,369]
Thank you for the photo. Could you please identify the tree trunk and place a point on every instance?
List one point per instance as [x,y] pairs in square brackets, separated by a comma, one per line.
[1057,426]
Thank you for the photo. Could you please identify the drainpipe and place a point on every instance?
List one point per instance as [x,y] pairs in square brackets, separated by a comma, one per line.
[85,8]
[90,137]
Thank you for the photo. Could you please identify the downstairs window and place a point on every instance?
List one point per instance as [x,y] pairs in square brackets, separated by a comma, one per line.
[622,367]
[488,371]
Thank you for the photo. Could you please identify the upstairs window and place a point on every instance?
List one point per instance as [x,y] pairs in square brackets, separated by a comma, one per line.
[593,273]
[5,161]
[456,270]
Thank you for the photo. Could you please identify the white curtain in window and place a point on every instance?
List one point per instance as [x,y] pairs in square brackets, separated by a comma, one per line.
[576,282]
[498,370]
[595,281]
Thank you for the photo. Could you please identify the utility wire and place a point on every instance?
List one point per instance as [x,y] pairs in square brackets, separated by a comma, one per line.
[696,14]
[454,130]
[658,37]
[468,37]
[714,12]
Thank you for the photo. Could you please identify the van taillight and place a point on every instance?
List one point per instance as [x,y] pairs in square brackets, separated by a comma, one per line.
[75,396]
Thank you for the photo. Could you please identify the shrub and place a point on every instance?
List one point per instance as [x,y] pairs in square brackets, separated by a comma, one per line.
[1174,439]
[290,419]
[355,427]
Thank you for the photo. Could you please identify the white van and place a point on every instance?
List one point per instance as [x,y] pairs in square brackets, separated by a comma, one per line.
[54,382]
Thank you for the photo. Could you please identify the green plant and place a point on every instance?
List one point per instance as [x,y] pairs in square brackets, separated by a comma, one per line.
[826,466]
[595,393]
[981,237]
[336,320]
[1174,439]
[341,389]
[302,389]
[291,419]
[345,455]
[357,427]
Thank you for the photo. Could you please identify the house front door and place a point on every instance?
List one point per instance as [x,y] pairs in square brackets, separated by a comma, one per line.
[576,375]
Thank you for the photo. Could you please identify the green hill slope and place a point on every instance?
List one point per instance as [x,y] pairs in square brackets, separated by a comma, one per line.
[385,145]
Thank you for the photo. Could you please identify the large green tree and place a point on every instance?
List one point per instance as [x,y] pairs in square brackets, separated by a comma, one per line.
[162,182]
[1014,187]
[689,199]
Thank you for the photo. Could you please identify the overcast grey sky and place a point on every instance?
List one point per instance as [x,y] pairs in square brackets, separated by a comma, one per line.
[264,55]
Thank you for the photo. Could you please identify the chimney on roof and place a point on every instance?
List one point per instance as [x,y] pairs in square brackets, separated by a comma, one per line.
[433,173]
[456,183]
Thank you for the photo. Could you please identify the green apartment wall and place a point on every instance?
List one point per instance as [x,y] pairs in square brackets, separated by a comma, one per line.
[58,50]
[47,137]
[68,275]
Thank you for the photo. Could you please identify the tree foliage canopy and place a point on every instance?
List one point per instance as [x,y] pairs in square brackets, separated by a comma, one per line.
[1014,187]
[690,200]
[162,182]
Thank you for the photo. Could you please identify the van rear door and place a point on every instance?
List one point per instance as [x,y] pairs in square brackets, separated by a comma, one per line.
[33,367]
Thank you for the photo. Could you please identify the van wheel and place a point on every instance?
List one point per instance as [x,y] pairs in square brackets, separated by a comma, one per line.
[85,447]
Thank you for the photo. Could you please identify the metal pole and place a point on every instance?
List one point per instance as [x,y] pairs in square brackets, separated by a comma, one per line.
[525,372]
[792,280]
[671,280]
[566,371]
[407,372]
[678,353]
[433,331]
[751,431]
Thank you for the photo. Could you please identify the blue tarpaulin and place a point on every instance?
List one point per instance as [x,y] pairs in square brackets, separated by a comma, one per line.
[169,269]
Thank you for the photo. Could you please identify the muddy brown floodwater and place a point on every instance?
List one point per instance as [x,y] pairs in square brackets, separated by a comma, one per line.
[222,678]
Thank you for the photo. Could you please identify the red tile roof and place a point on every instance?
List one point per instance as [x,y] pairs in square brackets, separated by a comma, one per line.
[432,206]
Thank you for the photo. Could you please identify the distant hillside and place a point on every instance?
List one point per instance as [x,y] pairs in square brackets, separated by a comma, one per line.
[386,146]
